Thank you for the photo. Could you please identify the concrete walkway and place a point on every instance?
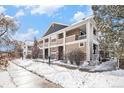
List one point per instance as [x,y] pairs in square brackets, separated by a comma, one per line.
[19,77]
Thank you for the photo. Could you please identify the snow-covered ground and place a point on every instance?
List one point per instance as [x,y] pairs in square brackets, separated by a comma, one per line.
[74,78]
[5,80]
[106,66]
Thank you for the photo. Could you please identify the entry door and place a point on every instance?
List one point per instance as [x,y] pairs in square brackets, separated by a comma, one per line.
[46,53]
[60,53]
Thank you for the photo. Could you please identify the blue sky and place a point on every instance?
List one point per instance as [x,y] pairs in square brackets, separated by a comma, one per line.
[35,20]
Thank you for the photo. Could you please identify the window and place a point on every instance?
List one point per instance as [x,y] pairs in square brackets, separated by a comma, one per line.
[81,44]
[60,36]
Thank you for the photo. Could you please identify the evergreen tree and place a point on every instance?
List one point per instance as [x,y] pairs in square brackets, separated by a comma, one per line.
[110,22]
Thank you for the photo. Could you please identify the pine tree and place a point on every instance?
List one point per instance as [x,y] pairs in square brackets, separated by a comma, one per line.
[110,22]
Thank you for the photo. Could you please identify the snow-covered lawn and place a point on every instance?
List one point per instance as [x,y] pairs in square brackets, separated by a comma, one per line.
[74,78]
[106,66]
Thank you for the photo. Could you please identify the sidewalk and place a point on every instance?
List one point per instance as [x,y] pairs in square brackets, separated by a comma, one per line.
[18,77]
[6,80]
[74,78]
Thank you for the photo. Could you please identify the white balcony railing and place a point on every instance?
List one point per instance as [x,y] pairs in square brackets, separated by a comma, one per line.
[70,38]
[75,37]
[79,37]
[53,43]
[59,41]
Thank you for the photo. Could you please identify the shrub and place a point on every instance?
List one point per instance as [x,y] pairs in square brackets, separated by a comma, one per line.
[76,56]
[70,57]
[4,61]
[29,56]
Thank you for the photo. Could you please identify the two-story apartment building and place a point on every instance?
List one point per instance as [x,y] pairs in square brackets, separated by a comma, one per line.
[27,49]
[60,39]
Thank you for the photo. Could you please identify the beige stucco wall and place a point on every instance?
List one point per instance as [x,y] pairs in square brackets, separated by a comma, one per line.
[71,47]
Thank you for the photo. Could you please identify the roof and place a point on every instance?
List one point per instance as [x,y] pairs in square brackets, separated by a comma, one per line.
[54,28]
[84,19]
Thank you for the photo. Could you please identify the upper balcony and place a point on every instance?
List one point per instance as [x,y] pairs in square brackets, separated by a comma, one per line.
[71,35]
[79,37]
[53,41]
[76,34]
[60,38]
[74,38]
[60,41]
[70,38]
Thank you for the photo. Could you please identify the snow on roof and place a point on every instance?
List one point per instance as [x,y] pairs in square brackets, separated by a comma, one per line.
[84,19]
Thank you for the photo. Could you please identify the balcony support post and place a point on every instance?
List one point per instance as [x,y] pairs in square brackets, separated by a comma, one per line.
[43,50]
[64,45]
[49,40]
[88,33]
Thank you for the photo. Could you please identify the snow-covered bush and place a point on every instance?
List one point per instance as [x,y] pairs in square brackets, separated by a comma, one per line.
[76,56]
[106,66]
[94,62]
[70,58]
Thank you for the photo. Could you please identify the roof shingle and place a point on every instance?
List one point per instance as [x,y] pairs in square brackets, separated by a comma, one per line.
[55,27]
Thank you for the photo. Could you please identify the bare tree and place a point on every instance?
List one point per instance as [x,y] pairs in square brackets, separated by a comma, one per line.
[35,49]
[8,25]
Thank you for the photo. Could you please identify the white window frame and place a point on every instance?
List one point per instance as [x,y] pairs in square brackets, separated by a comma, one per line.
[80,45]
